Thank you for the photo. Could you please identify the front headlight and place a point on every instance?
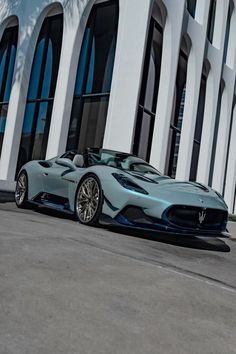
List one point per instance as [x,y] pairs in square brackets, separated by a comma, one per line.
[220,196]
[128,183]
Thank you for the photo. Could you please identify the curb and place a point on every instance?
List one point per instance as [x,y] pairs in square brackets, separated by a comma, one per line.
[232,217]
[6,186]
[232,230]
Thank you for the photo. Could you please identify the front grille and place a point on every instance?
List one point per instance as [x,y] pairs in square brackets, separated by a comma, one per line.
[192,217]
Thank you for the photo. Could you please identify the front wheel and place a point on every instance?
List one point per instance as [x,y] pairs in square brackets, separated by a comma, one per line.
[21,192]
[89,200]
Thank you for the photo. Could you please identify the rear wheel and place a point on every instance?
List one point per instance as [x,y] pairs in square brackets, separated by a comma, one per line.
[21,192]
[89,200]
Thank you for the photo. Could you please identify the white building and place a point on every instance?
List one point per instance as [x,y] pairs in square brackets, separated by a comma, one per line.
[152,77]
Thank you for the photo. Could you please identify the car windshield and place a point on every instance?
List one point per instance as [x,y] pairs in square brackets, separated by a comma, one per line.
[119,160]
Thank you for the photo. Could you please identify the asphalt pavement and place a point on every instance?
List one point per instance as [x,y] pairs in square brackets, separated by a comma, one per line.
[66,288]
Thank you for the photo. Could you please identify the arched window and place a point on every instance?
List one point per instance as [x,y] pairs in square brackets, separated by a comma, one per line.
[149,92]
[191,6]
[94,76]
[178,111]
[199,123]
[211,20]
[41,91]
[8,46]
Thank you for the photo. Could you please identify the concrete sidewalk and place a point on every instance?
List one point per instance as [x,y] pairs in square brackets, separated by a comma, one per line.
[232,229]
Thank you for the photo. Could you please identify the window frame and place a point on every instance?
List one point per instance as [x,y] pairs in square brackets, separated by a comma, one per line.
[141,105]
[83,95]
[45,33]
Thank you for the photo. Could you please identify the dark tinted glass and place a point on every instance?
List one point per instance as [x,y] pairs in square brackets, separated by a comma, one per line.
[119,160]
[198,130]
[230,11]
[44,70]
[8,46]
[216,130]
[94,76]
[177,117]
[41,91]
[146,127]
[149,93]
[90,132]
[191,5]
[102,50]
[211,20]
[3,117]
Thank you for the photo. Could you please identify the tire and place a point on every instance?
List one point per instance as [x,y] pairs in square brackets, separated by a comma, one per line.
[89,200]
[21,192]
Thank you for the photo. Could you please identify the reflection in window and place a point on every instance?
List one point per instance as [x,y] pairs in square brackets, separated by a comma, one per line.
[149,93]
[198,127]
[8,47]
[93,80]
[191,5]
[41,91]
[177,116]
[211,20]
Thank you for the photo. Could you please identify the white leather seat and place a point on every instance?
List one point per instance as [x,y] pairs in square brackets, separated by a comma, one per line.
[78,160]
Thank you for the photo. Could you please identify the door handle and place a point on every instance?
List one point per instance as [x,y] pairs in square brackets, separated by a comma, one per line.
[45,174]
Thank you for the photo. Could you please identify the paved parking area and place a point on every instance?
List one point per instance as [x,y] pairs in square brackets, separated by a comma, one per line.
[67,288]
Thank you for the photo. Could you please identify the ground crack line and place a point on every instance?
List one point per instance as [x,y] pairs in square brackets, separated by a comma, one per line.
[166,266]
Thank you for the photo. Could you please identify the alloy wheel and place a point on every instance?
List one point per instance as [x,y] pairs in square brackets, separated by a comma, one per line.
[88,199]
[21,189]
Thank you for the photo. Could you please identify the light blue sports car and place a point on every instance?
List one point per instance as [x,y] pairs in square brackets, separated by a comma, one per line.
[118,188]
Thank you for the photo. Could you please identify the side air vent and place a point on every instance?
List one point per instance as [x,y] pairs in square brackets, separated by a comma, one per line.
[45,164]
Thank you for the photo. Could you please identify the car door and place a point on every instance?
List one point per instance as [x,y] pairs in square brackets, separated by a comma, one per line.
[54,181]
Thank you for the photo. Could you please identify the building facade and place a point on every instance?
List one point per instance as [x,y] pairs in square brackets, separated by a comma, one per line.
[152,77]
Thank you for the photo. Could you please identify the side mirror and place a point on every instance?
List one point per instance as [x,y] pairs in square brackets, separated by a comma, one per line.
[66,163]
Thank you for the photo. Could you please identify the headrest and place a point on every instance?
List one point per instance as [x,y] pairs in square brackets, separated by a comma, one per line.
[78,160]
[112,163]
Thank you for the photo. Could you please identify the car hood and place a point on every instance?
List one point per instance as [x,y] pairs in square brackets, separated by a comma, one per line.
[178,192]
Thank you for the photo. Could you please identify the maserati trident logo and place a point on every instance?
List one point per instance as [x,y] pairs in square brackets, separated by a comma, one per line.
[202,216]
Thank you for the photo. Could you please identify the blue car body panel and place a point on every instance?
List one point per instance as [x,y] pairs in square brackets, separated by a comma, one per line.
[49,179]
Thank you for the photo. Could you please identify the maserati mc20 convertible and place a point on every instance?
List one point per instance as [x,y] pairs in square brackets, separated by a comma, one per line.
[118,188]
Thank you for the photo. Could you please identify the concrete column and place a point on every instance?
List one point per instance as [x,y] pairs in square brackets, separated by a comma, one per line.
[229,73]
[65,81]
[231,170]
[75,20]
[197,34]
[223,131]
[215,56]
[17,101]
[130,52]
[170,55]
[31,20]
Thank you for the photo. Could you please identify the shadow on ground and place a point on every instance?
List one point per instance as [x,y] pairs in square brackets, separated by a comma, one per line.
[194,242]
[209,244]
